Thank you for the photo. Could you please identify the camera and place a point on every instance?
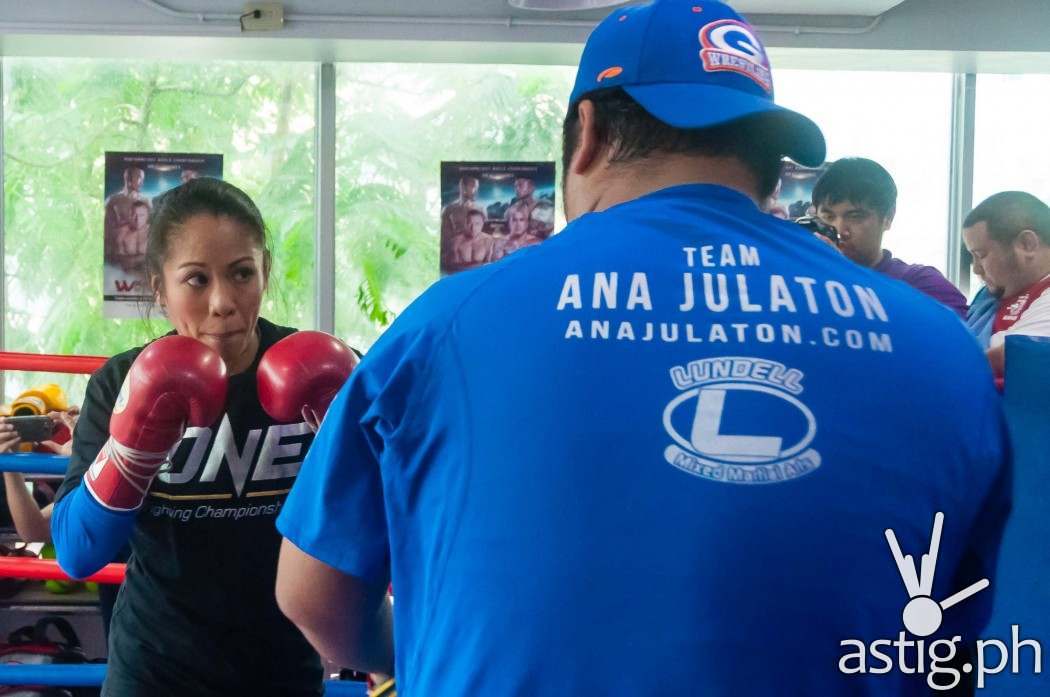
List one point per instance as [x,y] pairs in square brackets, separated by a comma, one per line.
[815,224]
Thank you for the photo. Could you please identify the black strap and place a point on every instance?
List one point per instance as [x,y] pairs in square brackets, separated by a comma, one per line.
[22,635]
[70,640]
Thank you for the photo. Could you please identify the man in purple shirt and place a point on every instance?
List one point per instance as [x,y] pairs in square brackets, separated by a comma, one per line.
[859,198]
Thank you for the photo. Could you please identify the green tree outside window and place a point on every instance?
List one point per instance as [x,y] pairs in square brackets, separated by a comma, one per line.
[60,116]
[396,123]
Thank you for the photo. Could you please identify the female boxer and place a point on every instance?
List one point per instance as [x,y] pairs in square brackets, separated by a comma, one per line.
[197,614]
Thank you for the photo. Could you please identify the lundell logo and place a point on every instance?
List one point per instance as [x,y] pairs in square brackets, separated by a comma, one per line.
[922,615]
[715,391]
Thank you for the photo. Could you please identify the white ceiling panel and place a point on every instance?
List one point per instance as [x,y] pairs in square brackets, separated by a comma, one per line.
[176,10]
[867,8]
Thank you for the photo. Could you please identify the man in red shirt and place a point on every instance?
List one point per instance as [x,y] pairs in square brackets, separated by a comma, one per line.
[1008,235]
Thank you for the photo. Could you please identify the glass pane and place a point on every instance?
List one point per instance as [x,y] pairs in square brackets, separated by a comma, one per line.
[396,123]
[903,122]
[60,116]
[1012,141]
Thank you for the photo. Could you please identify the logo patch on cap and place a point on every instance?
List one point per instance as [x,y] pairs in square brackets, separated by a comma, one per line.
[609,73]
[731,46]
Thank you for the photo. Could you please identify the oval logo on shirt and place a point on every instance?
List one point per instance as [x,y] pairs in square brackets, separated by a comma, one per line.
[740,420]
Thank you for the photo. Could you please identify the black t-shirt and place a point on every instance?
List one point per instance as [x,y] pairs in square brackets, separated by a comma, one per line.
[196,614]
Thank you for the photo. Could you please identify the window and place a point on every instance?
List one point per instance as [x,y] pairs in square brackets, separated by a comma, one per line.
[396,123]
[1012,141]
[59,118]
[900,120]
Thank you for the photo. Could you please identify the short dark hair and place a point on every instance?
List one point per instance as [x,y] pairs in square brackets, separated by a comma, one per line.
[631,133]
[203,195]
[1008,213]
[860,181]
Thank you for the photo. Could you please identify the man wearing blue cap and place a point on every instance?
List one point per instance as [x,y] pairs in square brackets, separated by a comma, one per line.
[656,454]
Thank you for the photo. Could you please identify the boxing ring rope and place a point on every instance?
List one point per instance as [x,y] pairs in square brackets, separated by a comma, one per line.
[50,363]
[33,463]
[92,675]
[85,674]
[39,463]
[49,570]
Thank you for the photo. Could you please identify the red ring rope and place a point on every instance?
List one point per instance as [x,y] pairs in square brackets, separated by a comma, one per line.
[49,363]
[49,570]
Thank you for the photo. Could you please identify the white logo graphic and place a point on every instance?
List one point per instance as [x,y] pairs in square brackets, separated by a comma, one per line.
[96,467]
[922,615]
[708,390]
[123,396]
[1014,310]
[276,453]
[729,45]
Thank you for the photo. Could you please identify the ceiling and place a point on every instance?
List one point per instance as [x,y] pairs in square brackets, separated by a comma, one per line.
[477,8]
[867,8]
[976,36]
[830,7]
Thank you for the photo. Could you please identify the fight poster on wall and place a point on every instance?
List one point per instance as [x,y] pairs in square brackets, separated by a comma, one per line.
[133,181]
[492,209]
[794,195]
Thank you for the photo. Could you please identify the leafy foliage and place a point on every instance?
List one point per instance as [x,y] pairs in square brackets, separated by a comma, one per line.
[396,123]
[60,116]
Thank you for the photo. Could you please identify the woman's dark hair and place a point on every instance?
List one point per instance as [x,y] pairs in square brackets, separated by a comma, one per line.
[632,133]
[203,195]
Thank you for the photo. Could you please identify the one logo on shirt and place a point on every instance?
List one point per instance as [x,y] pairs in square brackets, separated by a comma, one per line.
[717,434]
[922,615]
[729,45]
[271,455]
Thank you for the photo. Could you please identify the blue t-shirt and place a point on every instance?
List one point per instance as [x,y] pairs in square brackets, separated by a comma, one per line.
[656,455]
[981,316]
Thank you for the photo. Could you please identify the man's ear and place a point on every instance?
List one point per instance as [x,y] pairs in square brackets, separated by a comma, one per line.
[1028,241]
[588,144]
[887,220]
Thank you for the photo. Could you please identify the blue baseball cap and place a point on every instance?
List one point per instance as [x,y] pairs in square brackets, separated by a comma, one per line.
[693,64]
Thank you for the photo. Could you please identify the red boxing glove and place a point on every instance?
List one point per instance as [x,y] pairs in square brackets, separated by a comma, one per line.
[305,369]
[175,382]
